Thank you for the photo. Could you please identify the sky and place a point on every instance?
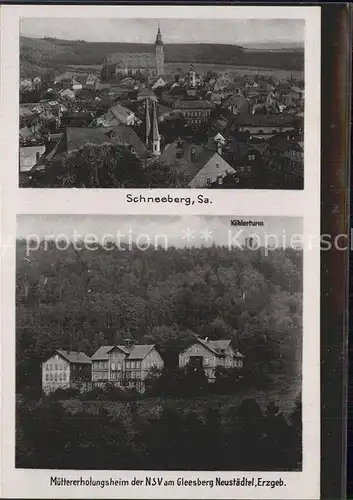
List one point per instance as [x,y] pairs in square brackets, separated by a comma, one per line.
[158,230]
[235,31]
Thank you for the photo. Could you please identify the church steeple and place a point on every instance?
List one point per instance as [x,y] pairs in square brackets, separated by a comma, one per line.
[159,40]
[156,138]
[159,52]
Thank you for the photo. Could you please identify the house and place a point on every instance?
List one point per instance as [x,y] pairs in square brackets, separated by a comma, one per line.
[284,145]
[91,81]
[67,94]
[75,138]
[125,365]
[146,93]
[66,369]
[76,85]
[29,156]
[195,111]
[237,104]
[211,168]
[116,115]
[264,126]
[199,165]
[210,354]
[158,83]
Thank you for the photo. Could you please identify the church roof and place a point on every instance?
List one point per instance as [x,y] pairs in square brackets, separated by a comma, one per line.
[134,60]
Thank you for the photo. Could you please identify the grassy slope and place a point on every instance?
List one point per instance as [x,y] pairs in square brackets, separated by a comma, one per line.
[39,54]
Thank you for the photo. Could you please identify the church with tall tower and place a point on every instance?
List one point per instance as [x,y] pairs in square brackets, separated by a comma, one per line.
[159,53]
[130,63]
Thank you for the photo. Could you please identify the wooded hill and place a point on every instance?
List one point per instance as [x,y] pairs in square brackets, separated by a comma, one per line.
[80,300]
[39,54]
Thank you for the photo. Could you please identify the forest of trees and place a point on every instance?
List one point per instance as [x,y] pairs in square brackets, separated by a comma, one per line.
[80,300]
[245,438]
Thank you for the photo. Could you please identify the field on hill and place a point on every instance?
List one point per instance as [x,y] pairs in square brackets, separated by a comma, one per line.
[37,55]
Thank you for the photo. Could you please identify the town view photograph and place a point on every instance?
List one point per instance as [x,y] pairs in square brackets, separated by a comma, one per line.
[158,343]
[161,103]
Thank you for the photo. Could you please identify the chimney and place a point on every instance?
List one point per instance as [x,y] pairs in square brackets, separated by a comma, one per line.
[37,157]
[193,155]
[219,148]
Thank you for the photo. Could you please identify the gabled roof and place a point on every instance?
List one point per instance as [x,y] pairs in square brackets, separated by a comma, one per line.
[74,356]
[77,137]
[145,93]
[103,352]
[140,351]
[136,352]
[216,346]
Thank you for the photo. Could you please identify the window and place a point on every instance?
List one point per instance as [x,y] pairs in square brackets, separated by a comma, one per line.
[50,367]
[208,181]
[60,376]
[55,377]
[56,366]
[206,360]
[47,377]
[64,376]
[138,364]
[51,376]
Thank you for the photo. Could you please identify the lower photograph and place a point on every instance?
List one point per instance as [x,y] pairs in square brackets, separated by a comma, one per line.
[159,342]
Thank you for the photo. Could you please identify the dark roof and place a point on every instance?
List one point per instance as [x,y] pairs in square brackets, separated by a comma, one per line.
[77,137]
[74,356]
[140,351]
[282,143]
[102,352]
[131,60]
[264,120]
[136,352]
[194,104]
[190,168]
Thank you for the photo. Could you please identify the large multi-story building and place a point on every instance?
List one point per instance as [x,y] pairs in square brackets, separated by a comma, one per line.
[64,370]
[195,111]
[210,354]
[125,365]
[151,63]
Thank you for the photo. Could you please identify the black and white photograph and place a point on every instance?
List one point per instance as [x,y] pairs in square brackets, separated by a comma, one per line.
[159,343]
[161,103]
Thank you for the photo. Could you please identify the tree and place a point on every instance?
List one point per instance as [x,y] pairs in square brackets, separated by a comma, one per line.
[161,175]
[103,166]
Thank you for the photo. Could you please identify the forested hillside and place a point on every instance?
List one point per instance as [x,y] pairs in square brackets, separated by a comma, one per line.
[81,300]
[40,54]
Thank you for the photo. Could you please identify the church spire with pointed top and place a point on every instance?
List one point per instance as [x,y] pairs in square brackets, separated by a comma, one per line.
[159,52]
[156,138]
